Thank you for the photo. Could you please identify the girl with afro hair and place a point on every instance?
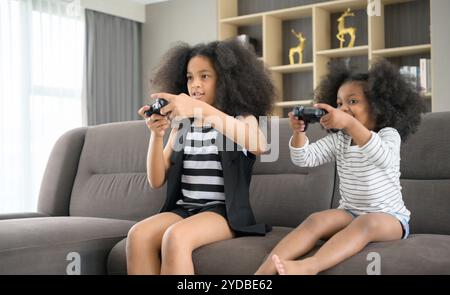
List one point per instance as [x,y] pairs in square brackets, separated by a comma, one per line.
[223,89]
[369,115]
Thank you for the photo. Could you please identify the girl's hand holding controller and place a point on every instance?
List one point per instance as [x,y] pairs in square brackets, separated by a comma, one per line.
[181,105]
[157,124]
[296,124]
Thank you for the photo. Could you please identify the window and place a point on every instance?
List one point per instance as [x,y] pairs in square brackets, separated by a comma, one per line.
[41,57]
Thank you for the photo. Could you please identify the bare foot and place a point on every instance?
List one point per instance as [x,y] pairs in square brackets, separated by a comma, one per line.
[267,268]
[294,267]
[279,264]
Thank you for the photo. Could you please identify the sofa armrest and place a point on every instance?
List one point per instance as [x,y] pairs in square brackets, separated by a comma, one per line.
[60,173]
[6,216]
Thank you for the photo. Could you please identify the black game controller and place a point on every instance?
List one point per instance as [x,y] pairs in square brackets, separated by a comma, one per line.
[308,114]
[156,106]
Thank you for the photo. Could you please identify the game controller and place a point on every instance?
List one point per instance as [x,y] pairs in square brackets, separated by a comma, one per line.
[155,107]
[308,114]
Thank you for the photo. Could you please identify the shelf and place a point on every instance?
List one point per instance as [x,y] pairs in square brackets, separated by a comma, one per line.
[389,2]
[293,103]
[377,36]
[245,20]
[292,13]
[345,52]
[402,51]
[342,5]
[306,67]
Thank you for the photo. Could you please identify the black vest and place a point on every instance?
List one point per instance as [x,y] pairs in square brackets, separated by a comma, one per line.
[237,172]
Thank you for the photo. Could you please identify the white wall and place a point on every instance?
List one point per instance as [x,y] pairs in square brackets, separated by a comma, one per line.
[122,8]
[440,54]
[191,21]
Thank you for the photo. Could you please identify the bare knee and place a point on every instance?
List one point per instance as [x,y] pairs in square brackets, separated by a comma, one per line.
[175,240]
[325,223]
[140,236]
[367,224]
[315,221]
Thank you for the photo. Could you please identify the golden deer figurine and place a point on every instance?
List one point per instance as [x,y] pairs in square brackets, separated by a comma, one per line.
[298,49]
[344,31]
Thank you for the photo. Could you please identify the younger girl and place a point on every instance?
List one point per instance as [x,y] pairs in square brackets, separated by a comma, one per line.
[207,187]
[374,112]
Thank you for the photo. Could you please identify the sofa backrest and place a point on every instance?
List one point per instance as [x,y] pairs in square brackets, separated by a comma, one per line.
[111,180]
[425,178]
[100,171]
[108,172]
[425,175]
[283,194]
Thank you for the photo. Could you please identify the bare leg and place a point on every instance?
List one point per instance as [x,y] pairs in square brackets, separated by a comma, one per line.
[301,240]
[372,227]
[144,243]
[187,235]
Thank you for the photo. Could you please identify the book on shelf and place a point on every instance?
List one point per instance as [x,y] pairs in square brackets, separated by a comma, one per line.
[428,90]
[425,75]
[419,76]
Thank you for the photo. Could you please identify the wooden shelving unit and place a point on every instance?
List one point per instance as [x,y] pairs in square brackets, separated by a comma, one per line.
[285,69]
[317,21]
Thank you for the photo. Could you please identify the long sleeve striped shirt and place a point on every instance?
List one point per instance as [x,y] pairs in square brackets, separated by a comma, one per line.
[369,175]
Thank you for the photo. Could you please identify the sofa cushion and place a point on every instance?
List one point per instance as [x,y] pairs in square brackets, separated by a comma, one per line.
[238,256]
[111,181]
[41,245]
[419,254]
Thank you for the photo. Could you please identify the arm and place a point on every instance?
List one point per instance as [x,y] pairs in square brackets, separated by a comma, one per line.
[383,149]
[338,119]
[158,159]
[305,155]
[244,131]
[359,133]
[315,154]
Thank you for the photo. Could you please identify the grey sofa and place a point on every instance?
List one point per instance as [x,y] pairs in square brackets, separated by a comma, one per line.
[95,188]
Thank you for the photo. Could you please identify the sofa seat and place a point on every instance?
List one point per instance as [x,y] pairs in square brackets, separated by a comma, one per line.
[419,254]
[222,258]
[41,245]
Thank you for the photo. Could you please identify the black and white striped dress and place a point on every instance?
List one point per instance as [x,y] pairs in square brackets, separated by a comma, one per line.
[202,177]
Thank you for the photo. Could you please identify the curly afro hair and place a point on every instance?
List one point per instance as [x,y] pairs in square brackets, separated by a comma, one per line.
[243,84]
[394,101]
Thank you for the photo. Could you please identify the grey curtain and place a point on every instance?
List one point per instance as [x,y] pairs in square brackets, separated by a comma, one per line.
[113,68]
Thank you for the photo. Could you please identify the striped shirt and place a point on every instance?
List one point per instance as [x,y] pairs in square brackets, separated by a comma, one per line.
[202,177]
[369,175]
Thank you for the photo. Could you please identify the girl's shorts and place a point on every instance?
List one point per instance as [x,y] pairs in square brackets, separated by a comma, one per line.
[188,212]
[400,217]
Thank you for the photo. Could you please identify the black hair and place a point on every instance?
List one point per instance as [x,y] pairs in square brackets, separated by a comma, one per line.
[394,101]
[243,84]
